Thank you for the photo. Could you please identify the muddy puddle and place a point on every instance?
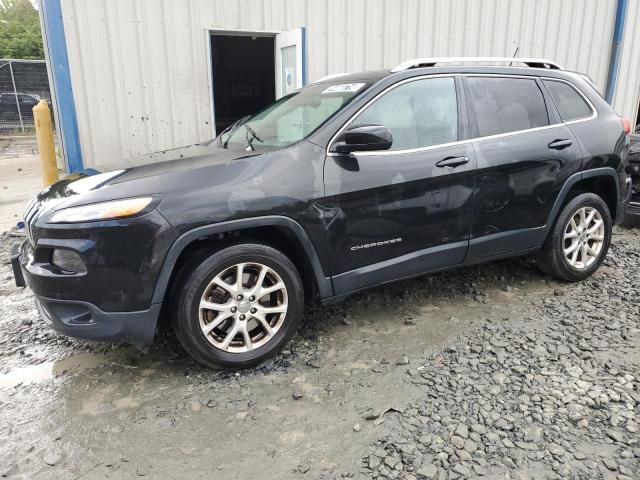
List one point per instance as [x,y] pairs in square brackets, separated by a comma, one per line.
[49,370]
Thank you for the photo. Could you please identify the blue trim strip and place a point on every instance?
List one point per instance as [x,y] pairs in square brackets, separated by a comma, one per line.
[614,61]
[59,64]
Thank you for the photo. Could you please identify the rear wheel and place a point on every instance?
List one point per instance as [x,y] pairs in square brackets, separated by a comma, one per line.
[579,240]
[239,306]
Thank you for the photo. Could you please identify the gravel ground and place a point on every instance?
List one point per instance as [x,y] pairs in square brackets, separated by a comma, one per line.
[494,371]
[554,396]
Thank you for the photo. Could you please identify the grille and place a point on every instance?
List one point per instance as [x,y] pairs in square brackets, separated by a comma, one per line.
[30,216]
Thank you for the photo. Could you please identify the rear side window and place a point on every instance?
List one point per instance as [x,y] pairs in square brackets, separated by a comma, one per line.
[421,113]
[505,105]
[569,102]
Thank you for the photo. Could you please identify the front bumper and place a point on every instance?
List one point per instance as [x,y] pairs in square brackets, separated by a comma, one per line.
[83,320]
[117,262]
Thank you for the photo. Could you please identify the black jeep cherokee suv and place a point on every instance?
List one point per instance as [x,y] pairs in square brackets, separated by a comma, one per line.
[351,182]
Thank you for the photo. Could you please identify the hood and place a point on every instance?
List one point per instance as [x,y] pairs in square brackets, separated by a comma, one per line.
[191,157]
[80,188]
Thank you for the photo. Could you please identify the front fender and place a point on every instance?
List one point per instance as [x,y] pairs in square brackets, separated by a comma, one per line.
[325,287]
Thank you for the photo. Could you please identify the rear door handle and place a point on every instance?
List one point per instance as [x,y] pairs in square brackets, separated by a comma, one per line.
[560,144]
[452,162]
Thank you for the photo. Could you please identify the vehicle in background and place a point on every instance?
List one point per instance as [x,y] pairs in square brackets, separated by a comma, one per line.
[9,105]
[632,215]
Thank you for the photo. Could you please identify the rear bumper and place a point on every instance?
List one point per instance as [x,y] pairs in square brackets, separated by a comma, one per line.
[83,320]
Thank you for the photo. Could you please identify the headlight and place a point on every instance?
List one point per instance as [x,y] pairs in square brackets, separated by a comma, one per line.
[101,211]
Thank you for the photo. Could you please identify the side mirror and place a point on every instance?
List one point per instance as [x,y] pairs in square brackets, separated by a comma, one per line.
[365,138]
[637,130]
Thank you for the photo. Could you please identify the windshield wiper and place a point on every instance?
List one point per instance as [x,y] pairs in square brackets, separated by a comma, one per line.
[251,135]
[230,129]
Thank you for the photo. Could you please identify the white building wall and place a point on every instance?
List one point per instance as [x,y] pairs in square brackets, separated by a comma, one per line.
[140,69]
[627,94]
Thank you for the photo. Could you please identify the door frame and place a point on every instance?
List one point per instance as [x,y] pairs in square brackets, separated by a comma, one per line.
[210,31]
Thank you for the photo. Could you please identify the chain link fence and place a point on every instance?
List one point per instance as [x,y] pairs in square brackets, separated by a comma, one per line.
[23,83]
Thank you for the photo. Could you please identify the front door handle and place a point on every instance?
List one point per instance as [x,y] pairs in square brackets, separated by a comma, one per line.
[452,162]
[560,144]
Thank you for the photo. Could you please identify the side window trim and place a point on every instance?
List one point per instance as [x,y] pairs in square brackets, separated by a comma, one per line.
[594,112]
[472,119]
[471,129]
[379,95]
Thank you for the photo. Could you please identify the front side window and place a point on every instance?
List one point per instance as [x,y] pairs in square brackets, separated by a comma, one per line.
[505,105]
[569,102]
[420,113]
[294,117]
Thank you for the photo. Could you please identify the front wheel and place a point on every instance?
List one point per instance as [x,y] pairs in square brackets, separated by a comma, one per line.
[579,240]
[239,306]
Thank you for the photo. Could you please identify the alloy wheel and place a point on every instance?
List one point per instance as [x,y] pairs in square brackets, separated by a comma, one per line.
[584,238]
[243,307]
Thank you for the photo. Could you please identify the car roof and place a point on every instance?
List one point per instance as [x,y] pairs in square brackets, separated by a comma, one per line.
[374,76]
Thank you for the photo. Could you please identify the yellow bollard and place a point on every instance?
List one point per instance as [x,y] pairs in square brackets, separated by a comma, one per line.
[46,148]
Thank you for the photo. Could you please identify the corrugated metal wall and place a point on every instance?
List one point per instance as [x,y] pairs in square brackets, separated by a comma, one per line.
[627,94]
[140,70]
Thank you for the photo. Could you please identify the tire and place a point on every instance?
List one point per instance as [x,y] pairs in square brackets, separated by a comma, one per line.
[254,342]
[552,259]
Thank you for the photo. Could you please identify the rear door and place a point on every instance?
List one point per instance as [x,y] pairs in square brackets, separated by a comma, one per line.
[524,155]
[407,210]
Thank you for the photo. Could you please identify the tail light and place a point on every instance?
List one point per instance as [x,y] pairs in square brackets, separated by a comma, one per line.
[626,125]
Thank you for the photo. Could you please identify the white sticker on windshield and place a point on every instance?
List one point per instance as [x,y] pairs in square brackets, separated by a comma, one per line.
[344,88]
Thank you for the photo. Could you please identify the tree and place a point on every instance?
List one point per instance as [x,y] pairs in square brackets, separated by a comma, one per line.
[20,35]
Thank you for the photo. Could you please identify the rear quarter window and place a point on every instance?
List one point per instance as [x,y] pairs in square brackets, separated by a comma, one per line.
[504,105]
[570,103]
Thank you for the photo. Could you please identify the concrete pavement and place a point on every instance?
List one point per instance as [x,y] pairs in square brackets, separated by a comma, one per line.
[19,178]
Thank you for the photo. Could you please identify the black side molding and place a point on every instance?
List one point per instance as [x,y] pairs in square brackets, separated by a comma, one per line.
[325,287]
[575,178]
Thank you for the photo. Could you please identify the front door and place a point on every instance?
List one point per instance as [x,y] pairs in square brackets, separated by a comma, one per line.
[524,156]
[407,210]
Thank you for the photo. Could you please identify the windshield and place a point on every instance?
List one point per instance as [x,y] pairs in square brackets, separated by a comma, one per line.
[292,118]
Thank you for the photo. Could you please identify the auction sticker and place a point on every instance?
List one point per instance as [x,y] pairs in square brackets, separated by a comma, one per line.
[344,88]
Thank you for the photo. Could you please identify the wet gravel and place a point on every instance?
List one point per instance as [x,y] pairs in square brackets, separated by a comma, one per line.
[555,396]
[524,378]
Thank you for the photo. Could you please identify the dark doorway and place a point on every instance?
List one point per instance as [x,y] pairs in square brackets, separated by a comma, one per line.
[243,76]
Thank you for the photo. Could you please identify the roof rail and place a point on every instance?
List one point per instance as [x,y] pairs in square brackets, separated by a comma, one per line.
[431,62]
